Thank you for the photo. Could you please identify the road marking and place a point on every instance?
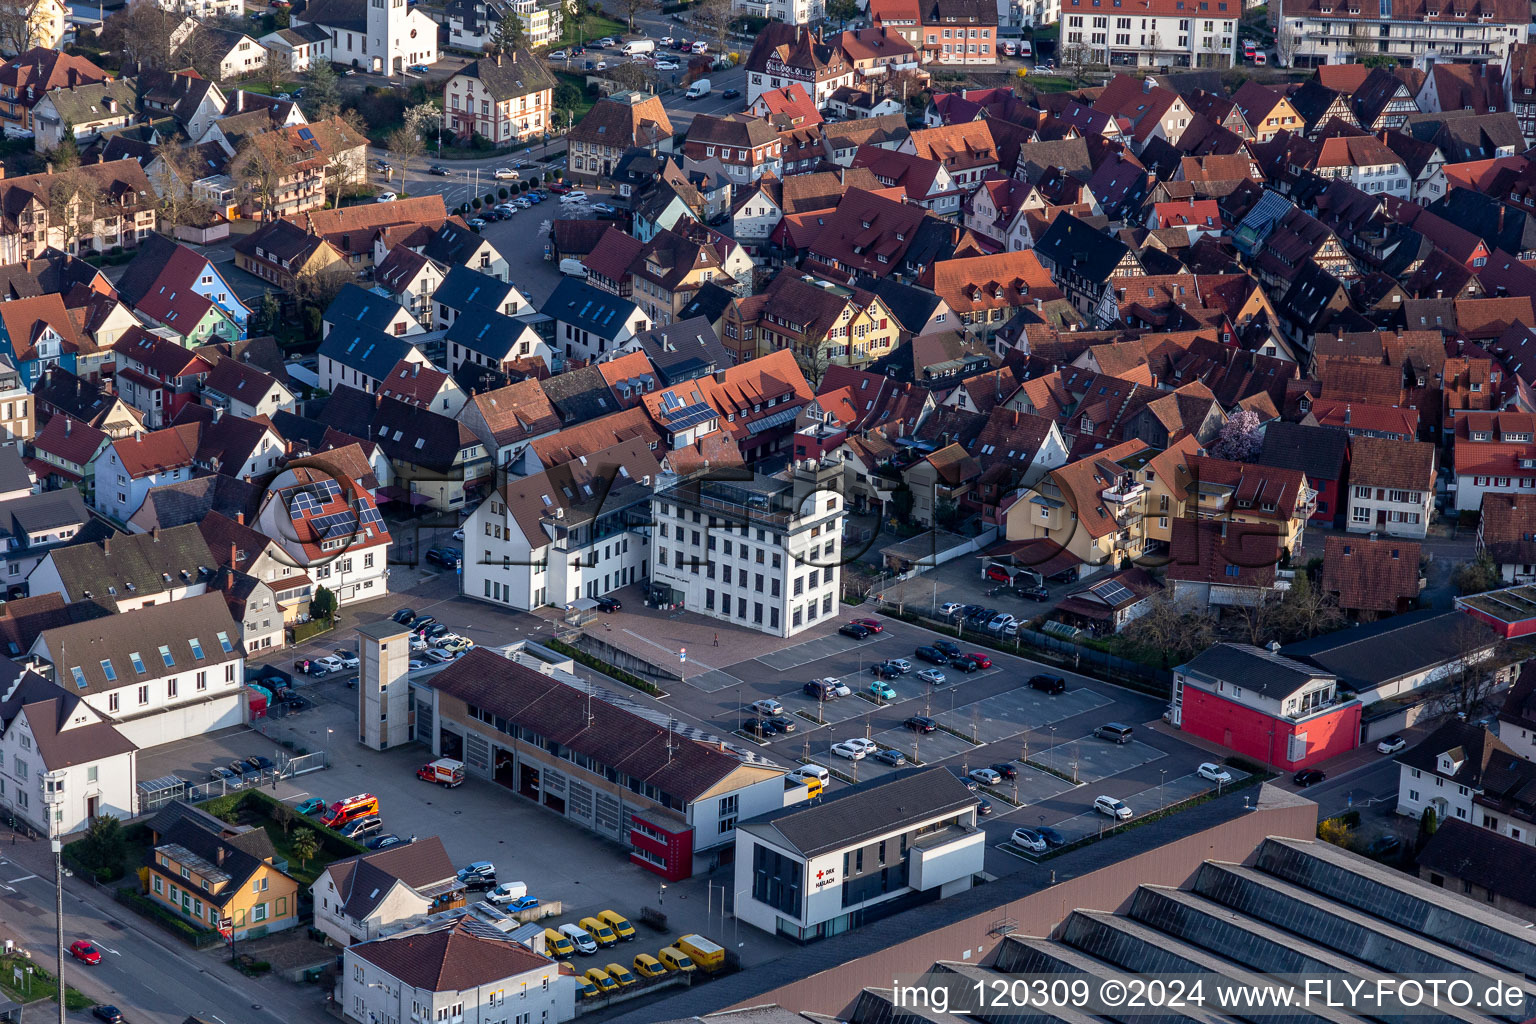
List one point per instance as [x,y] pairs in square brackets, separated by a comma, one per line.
[23,878]
[108,949]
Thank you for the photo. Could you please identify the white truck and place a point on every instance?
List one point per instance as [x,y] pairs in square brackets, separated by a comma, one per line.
[697,89]
[635,47]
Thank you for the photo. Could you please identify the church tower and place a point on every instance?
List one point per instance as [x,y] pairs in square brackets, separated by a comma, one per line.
[388,27]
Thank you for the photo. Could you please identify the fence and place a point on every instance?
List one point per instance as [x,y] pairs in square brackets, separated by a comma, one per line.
[303,764]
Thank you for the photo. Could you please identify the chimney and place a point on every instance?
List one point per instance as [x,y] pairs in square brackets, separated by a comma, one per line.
[106,545]
[1347,413]
[239,100]
[234,556]
[221,855]
[154,533]
[240,518]
[67,423]
[498,60]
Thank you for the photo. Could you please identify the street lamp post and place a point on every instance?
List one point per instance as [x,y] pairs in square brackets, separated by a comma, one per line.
[1162,776]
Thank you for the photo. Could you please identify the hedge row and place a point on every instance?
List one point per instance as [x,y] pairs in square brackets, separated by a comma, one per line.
[230,805]
[197,938]
[314,627]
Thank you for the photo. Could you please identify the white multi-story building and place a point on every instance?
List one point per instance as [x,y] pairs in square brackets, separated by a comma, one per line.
[58,753]
[1391,487]
[452,971]
[1418,32]
[159,673]
[337,537]
[760,554]
[472,23]
[576,530]
[127,470]
[203,9]
[385,37]
[790,12]
[811,871]
[1155,33]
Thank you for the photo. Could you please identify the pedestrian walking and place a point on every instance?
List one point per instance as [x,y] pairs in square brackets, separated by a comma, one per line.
[717,639]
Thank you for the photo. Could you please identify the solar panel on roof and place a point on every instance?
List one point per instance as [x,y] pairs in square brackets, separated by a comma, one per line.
[1114,592]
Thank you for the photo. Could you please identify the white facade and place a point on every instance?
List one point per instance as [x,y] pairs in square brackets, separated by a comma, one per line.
[825,893]
[119,495]
[1394,512]
[398,37]
[77,792]
[790,12]
[1180,38]
[1417,790]
[203,9]
[400,903]
[1341,37]
[334,373]
[763,565]
[370,995]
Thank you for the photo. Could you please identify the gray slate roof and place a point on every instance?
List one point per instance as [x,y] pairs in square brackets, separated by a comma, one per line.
[684,350]
[353,304]
[364,349]
[115,638]
[464,287]
[597,312]
[853,816]
[1273,675]
[134,563]
[1366,656]
[521,74]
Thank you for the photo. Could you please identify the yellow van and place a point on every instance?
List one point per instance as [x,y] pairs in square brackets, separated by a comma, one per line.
[599,977]
[588,990]
[708,956]
[675,959]
[648,966]
[557,945]
[599,931]
[620,974]
[621,927]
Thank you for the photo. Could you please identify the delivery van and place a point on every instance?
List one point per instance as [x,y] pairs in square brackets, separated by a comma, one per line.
[557,945]
[674,959]
[707,955]
[445,771]
[635,47]
[697,90]
[573,267]
[350,809]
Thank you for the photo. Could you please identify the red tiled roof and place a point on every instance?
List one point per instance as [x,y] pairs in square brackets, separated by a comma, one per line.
[158,451]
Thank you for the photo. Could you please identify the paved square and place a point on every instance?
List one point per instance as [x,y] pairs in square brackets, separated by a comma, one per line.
[1095,758]
[1034,787]
[814,650]
[712,681]
[830,712]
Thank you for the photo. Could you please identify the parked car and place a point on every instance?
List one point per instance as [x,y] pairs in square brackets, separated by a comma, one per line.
[873,625]
[386,197]
[1006,770]
[817,689]
[420,69]
[227,777]
[362,827]
[1385,847]
[1001,622]
[347,658]
[260,764]
[979,660]
[783,723]
[1048,683]
[440,655]
[948,648]
[932,655]
[1051,836]
[933,676]
[852,751]
[968,782]
[478,875]
[854,630]
[839,687]
[477,223]
[558,55]
[882,690]
[1028,840]
[921,723]
[768,706]
[885,670]
[506,892]
[404,615]
[1308,777]
[604,209]
[1032,591]
[666,65]
[894,758]
[384,841]
[1391,745]
[108,1013]
[965,665]
[759,728]
[1113,807]
[1213,772]
[609,604]
[949,609]
[314,805]
[331,663]
[901,665]
[986,776]
[998,573]
[445,556]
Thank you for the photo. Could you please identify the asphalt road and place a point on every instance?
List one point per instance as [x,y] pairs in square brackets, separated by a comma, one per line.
[135,958]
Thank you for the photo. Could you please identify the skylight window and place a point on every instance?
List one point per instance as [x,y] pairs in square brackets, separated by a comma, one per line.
[138,662]
[197,648]
[79,674]
[165,656]
[108,671]
[225,644]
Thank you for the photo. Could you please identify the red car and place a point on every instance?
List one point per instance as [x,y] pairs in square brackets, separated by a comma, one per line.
[995,572]
[558,186]
[981,660]
[84,951]
[873,625]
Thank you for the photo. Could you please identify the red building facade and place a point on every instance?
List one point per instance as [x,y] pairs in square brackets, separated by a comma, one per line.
[1265,707]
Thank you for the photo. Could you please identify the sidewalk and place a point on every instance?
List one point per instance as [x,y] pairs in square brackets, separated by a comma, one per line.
[1363,756]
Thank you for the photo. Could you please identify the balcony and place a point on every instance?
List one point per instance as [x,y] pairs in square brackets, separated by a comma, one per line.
[1124,492]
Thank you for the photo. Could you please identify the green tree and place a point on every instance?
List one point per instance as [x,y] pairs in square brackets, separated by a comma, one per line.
[1428,824]
[842,11]
[1475,576]
[305,844]
[322,94]
[282,17]
[105,845]
[508,35]
[268,313]
[323,604]
[1332,830]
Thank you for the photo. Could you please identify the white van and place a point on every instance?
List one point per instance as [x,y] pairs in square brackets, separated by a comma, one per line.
[635,47]
[697,89]
[585,944]
[700,47]
[575,195]
[812,771]
[573,267]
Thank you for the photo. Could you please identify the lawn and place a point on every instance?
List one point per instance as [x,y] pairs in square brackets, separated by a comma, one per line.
[40,984]
[1050,83]
[582,105]
[592,26]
